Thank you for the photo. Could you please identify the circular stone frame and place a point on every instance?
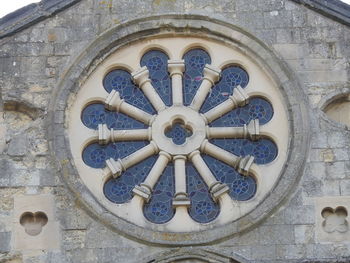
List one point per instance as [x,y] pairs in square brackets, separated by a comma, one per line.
[185,25]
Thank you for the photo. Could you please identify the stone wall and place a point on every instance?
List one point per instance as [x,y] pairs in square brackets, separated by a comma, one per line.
[33,61]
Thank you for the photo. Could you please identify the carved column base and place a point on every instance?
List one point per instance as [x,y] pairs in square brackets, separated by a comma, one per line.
[181,199]
[143,191]
[218,189]
[244,164]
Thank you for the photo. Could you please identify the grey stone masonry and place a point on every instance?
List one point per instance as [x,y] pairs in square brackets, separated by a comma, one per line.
[49,48]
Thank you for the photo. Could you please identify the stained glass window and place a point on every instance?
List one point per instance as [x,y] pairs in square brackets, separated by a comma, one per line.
[241,187]
[264,150]
[119,190]
[231,77]
[157,64]
[195,60]
[203,173]
[95,155]
[203,208]
[159,209]
[121,81]
[95,114]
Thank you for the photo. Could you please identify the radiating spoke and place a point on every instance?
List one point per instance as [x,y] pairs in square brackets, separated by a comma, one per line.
[211,75]
[251,131]
[176,69]
[141,78]
[145,189]
[241,164]
[113,102]
[116,167]
[181,197]
[106,135]
[238,98]
[216,188]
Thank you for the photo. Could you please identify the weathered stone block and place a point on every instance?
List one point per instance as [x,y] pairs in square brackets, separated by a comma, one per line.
[73,239]
[290,51]
[276,234]
[264,252]
[300,215]
[5,240]
[18,146]
[304,234]
[278,19]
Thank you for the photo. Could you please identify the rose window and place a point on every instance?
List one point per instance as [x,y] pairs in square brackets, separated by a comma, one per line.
[178,133]
[179,140]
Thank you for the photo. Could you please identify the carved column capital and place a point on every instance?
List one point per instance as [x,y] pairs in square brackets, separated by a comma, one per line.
[144,191]
[113,101]
[244,164]
[176,67]
[114,168]
[140,76]
[211,73]
[252,130]
[239,97]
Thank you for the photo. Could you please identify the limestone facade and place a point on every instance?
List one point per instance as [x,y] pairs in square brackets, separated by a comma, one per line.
[49,214]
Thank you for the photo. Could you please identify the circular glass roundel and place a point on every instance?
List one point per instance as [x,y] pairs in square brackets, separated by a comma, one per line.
[179,141]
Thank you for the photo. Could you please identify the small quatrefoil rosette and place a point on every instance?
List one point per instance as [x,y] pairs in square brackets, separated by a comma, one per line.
[173,137]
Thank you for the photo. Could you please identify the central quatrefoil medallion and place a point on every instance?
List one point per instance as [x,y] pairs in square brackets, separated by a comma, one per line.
[178,132]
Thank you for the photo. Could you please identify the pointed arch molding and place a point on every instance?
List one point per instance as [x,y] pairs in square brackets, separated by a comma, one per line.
[184,25]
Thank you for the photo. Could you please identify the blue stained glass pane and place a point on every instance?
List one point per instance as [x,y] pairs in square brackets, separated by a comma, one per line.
[178,133]
[159,209]
[203,209]
[195,61]
[157,64]
[95,114]
[121,81]
[264,150]
[119,190]
[241,187]
[95,155]
[120,121]
[258,108]
[231,77]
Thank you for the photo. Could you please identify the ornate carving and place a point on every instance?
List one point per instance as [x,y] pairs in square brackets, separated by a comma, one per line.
[33,223]
[335,220]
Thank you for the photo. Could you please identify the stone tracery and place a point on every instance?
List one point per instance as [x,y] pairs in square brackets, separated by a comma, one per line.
[210,107]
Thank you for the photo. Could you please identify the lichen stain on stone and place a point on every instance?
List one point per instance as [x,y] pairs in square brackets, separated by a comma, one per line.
[64,162]
[108,4]
[65,170]
[174,237]
[159,2]
[327,155]
[51,37]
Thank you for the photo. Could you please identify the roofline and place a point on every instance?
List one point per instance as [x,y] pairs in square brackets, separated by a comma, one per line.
[335,9]
[33,13]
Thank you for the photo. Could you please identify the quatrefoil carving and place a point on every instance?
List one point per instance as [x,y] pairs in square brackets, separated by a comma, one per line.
[335,219]
[33,222]
[178,132]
